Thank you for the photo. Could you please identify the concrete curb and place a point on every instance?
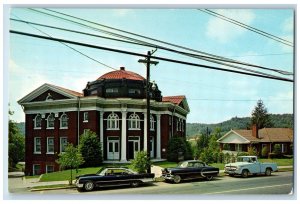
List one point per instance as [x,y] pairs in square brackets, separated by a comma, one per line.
[55,188]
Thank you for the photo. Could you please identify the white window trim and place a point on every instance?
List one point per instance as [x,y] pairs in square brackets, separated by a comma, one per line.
[50,128]
[60,144]
[117,119]
[60,121]
[136,119]
[47,168]
[33,168]
[34,122]
[34,145]
[48,146]
[152,123]
[84,120]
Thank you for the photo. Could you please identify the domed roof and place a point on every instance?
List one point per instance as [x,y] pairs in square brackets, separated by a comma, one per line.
[122,74]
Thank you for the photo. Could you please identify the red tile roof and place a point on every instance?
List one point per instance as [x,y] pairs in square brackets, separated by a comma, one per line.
[122,74]
[268,135]
[173,99]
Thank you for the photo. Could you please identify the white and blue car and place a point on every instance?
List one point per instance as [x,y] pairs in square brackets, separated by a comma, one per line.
[249,165]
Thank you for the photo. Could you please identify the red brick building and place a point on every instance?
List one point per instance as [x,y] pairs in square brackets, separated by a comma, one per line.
[113,106]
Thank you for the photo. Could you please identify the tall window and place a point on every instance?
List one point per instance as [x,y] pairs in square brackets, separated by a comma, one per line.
[85,116]
[50,121]
[64,121]
[152,123]
[113,121]
[50,145]
[63,144]
[134,121]
[37,145]
[38,121]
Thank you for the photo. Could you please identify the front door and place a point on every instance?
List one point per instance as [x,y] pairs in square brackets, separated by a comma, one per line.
[113,150]
[133,146]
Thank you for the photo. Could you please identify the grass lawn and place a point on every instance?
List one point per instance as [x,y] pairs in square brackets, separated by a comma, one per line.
[280,162]
[65,175]
[165,164]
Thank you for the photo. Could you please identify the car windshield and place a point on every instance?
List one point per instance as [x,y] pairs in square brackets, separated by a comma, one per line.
[182,164]
[243,159]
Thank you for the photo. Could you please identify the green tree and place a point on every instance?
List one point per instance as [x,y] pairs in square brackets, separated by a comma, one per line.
[16,144]
[141,162]
[252,151]
[277,150]
[201,144]
[176,148]
[71,158]
[264,152]
[90,149]
[260,116]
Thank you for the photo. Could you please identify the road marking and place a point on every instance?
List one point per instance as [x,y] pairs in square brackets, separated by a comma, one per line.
[245,189]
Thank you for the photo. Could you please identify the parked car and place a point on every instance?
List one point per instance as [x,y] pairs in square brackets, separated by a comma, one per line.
[247,165]
[187,170]
[112,176]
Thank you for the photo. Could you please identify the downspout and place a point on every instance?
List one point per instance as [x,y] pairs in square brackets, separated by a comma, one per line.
[78,113]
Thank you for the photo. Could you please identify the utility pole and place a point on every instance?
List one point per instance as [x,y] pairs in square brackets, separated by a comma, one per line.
[148,62]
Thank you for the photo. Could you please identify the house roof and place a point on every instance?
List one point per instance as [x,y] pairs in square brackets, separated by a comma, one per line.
[173,99]
[122,74]
[265,135]
[75,93]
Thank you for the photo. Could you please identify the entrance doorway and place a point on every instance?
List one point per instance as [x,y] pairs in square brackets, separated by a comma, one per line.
[133,146]
[113,152]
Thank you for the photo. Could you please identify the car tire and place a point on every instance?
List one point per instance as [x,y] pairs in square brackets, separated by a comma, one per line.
[176,179]
[89,186]
[245,173]
[209,178]
[135,184]
[268,172]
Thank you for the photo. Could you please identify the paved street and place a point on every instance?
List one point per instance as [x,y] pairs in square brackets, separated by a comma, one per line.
[278,183]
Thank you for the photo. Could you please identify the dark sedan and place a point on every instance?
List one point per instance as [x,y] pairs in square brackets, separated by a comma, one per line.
[112,176]
[188,170]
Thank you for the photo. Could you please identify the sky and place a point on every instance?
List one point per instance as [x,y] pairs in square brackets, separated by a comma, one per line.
[213,96]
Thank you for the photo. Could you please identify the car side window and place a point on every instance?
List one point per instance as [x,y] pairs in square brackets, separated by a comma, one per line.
[190,164]
[198,164]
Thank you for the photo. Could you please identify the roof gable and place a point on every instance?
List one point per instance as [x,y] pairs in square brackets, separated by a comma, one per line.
[178,100]
[233,137]
[49,92]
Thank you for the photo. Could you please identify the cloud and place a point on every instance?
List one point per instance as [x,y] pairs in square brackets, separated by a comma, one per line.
[223,31]
[288,25]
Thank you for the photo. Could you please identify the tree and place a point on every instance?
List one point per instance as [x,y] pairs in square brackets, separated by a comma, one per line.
[141,162]
[90,149]
[177,147]
[260,116]
[16,144]
[201,144]
[277,150]
[71,158]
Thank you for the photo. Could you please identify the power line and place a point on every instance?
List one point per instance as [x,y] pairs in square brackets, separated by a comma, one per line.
[202,57]
[255,30]
[149,44]
[153,57]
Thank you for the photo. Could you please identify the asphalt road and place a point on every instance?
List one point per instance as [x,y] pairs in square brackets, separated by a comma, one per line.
[280,183]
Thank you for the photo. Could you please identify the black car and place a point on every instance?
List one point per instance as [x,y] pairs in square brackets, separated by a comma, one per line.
[112,176]
[187,170]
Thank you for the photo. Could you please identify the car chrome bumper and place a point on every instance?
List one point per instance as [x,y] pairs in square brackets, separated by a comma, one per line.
[147,180]
[78,185]
[168,177]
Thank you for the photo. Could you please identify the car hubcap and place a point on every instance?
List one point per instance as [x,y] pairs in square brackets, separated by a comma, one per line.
[134,184]
[209,178]
[268,172]
[177,179]
[89,186]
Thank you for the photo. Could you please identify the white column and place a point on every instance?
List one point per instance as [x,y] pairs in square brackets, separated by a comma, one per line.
[158,139]
[145,132]
[123,137]
[101,131]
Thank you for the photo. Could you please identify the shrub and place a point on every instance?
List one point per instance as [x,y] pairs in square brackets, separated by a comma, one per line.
[252,151]
[90,149]
[277,151]
[189,151]
[177,147]
[264,152]
[141,162]
[242,154]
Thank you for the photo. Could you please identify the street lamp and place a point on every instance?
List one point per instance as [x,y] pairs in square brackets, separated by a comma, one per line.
[148,62]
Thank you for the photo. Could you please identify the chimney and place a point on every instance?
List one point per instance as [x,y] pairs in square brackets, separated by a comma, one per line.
[255,131]
[122,68]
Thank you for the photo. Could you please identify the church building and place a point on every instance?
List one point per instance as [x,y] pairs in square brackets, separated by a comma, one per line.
[113,106]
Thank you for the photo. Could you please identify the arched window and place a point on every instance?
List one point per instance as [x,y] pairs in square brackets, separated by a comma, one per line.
[38,121]
[50,121]
[134,121]
[64,121]
[152,123]
[113,121]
